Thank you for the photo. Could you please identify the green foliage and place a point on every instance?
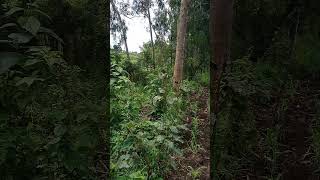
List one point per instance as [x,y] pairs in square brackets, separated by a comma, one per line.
[50,112]
[53,123]
[146,125]
[194,135]
[307,54]
[203,78]
[27,24]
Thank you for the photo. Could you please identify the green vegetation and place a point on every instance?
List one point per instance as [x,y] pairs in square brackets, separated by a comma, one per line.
[262,89]
[51,110]
[147,123]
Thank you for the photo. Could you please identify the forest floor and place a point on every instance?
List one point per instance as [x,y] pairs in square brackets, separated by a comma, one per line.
[294,141]
[297,136]
[290,118]
[195,161]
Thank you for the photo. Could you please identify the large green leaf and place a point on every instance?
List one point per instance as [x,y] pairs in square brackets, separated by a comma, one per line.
[51,33]
[60,130]
[8,25]
[57,115]
[42,14]
[9,59]
[32,25]
[28,80]
[6,41]
[22,20]
[12,11]
[21,37]
[31,62]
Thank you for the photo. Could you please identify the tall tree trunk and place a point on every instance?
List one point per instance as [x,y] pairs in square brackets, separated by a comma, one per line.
[124,31]
[151,36]
[171,48]
[221,12]
[181,44]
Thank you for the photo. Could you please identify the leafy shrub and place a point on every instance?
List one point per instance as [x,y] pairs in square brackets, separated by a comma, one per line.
[203,78]
[50,126]
[146,125]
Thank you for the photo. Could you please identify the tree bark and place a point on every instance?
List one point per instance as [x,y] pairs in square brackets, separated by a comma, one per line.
[181,44]
[151,36]
[124,31]
[221,12]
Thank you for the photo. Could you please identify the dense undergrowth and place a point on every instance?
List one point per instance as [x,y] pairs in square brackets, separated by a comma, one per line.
[256,97]
[50,119]
[51,112]
[147,123]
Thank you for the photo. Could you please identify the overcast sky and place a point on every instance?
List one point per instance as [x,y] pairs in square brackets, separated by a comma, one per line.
[137,34]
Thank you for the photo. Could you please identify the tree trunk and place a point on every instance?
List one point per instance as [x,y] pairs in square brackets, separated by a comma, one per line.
[150,26]
[181,44]
[221,12]
[124,31]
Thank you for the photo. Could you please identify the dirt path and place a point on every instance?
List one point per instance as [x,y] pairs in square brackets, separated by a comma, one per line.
[194,164]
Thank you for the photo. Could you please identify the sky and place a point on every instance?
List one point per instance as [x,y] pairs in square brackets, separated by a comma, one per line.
[137,34]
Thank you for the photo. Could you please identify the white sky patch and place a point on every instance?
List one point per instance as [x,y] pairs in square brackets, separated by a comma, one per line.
[138,33]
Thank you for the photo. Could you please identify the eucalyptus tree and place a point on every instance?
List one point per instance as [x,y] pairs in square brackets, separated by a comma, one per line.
[221,12]
[143,7]
[181,44]
[118,24]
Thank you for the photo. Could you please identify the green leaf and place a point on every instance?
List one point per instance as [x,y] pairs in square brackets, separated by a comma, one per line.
[82,117]
[20,37]
[22,20]
[84,140]
[6,41]
[156,99]
[51,33]
[160,138]
[34,4]
[123,161]
[32,25]
[32,62]
[42,13]
[53,61]
[57,115]
[123,164]
[170,144]
[174,129]
[8,25]
[28,80]
[73,160]
[54,140]
[60,130]
[137,175]
[12,11]
[9,59]
[112,81]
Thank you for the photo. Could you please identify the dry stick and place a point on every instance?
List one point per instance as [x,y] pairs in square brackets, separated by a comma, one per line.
[221,12]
